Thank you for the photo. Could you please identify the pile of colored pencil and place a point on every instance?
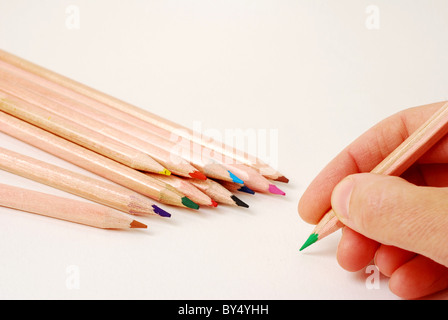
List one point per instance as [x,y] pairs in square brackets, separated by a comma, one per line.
[127,145]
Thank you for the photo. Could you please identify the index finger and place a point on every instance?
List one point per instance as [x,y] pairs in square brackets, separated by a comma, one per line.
[363,155]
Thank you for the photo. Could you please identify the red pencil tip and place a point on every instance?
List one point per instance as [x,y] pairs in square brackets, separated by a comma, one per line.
[214,203]
[198,175]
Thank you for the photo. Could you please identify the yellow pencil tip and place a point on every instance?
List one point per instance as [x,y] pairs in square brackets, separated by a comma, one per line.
[165,172]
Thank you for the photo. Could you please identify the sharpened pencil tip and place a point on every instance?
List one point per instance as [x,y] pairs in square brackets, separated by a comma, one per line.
[165,172]
[235,178]
[311,239]
[160,211]
[198,175]
[239,202]
[246,189]
[275,190]
[135,224]
[190,204]
[282,179]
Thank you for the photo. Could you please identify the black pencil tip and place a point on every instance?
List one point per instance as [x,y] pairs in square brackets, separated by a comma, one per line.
[239,202]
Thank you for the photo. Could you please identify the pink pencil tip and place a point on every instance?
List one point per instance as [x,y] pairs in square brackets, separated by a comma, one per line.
[273,189]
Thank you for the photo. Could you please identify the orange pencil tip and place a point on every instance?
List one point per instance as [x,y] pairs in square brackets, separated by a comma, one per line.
[136,224]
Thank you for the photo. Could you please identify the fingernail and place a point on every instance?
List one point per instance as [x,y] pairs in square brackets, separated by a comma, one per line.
[340,199]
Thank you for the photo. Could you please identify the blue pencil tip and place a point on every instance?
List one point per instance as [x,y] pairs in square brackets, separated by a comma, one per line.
[235,178]
[246,189]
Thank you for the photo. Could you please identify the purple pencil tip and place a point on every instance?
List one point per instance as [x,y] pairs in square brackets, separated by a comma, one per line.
[161,212]
[273,189]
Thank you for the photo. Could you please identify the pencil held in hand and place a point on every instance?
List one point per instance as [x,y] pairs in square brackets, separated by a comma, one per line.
[77,211]
[409,151]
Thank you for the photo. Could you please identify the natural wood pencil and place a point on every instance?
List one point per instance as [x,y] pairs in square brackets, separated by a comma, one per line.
[96,190]
[21,84]
[43,98]
[233,187]
[122,121]
[77,211]
[254,180]
[93,162]
[409,151]
[144,115]
[76,133]
[217,192]
[187,188]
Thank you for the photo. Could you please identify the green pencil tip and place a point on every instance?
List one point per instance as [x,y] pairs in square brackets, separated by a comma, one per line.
[311,239]
[190,204]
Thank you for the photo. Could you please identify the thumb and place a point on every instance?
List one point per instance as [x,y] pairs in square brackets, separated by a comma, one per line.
[395,212]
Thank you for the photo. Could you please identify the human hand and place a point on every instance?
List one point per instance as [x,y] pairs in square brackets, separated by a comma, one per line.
[402,223]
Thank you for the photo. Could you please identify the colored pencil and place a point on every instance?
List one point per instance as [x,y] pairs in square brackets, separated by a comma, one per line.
[72,131]
[28,89]
[233,187]
[187,188]
[93,162]
[254,180]
[217,192]
[90,214]
[115,118]
[41,97]
[409,151]
[144,115]
[81,185]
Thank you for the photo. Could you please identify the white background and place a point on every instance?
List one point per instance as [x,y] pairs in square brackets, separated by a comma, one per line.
[310,69]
